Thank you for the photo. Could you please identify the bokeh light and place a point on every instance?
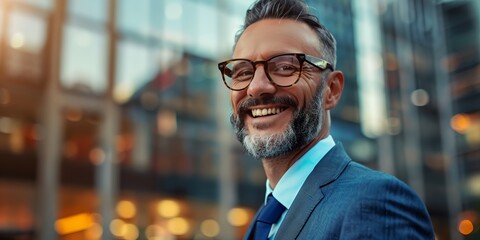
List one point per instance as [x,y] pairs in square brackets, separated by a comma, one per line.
[210,228]
[126,209]
[168,208]
[460,122]
[238,217]
[178,226]
[465,227]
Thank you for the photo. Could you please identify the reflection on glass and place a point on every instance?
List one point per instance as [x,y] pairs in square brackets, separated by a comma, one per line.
[133,16]
[132,69]
[25,39]
[206,30]
[173,10]
[26,32]
[229,26]
[91,9]
[138,64]
[173,29]
[84,60]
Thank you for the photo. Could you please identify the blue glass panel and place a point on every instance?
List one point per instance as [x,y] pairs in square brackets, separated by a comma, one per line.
[132,69]
[139,64]
[133,16]
[84,60]
[92,9]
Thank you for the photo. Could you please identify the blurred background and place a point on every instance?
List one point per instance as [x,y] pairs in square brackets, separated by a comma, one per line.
[114,119]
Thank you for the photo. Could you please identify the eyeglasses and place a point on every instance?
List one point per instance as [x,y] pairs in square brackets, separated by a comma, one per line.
[282,70]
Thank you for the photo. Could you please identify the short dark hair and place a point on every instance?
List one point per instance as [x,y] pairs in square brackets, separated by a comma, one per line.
[291,9]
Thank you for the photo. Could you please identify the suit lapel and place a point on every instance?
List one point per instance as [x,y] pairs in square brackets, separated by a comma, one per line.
[310,195]
[252,225]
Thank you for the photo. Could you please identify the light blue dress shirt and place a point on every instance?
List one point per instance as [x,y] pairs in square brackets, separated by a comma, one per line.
[291,182]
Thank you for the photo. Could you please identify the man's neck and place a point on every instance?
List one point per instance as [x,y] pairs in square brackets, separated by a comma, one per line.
[275,168]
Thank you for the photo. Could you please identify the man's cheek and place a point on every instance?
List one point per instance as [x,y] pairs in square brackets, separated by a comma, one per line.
[235,107]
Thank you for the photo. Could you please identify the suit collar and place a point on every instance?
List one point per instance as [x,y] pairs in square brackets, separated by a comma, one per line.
[290,183]
[310,195]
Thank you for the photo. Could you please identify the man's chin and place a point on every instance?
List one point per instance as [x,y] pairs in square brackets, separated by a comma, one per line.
[269,145]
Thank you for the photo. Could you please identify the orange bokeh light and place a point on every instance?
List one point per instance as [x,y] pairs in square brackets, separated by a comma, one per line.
[465,227]
[460,122]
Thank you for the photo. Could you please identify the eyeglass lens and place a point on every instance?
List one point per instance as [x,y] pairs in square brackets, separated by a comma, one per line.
[283,70]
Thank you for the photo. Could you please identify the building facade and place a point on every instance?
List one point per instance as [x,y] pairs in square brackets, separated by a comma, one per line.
[430,56]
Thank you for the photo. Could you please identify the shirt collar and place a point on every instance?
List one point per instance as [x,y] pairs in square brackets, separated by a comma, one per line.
[291,182]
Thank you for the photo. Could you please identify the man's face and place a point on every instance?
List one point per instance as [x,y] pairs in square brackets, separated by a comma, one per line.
[293,114]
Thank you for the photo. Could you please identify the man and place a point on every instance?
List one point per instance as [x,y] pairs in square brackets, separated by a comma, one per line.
[283,83]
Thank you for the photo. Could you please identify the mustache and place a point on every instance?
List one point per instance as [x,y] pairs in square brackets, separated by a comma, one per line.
[251,102]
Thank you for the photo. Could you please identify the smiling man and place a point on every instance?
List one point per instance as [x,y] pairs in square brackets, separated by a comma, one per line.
[283,83]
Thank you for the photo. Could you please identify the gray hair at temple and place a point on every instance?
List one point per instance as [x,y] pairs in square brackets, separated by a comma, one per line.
[296,10]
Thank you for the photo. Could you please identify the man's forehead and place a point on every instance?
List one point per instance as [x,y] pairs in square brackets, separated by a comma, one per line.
[270,37]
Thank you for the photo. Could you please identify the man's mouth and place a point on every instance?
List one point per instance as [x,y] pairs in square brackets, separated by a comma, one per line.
[260,112]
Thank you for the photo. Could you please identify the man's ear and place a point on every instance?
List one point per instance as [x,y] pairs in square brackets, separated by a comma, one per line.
[333,89]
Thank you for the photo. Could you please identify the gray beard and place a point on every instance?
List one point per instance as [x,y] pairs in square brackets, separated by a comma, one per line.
[303,128]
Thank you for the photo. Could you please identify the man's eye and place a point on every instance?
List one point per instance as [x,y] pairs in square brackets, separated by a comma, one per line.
[242,75]
[284,69]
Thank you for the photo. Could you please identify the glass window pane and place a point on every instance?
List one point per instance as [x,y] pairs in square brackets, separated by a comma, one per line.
[165,57]
[26,32]
[26,40]
[172,29]
[84,60]
[91,9]
[229,20]
[138,64]
[134,16]
[206,34]
[45,4]
[132,69]
[189,18]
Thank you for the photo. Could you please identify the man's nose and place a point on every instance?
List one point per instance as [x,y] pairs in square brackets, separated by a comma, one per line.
[260,84]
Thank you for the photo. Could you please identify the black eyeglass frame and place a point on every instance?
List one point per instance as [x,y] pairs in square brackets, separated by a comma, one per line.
[301,57]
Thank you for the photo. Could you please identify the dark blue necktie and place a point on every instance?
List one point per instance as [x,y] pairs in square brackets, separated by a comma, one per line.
[269,215]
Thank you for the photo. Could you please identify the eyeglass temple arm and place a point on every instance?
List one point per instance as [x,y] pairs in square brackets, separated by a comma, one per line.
[320,63]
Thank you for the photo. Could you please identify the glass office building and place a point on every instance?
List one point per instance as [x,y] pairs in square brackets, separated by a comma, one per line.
[114,121]
[428,55]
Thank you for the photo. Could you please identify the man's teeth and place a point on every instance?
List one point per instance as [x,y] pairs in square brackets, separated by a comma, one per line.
[265,111]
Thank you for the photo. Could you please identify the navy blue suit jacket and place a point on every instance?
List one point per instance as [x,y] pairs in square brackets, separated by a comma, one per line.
[342,199]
